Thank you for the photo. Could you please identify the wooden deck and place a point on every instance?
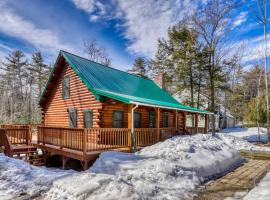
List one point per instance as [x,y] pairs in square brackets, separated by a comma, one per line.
[81,144]
[86,144]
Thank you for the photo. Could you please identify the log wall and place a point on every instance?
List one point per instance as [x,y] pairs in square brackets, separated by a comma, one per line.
[56,110]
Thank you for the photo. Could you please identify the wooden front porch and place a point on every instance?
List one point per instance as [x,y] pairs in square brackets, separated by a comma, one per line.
[85,144]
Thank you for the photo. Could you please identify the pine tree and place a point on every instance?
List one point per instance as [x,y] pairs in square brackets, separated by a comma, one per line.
[139,67]
[14,77]
[39,70]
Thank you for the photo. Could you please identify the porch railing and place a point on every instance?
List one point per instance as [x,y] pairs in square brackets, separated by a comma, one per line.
[99,139]
[146,136]
[18,135]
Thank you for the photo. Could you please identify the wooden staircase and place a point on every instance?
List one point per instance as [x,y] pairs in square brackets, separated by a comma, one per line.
[24,152]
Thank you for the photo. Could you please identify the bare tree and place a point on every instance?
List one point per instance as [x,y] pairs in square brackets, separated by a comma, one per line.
[96,53]
[261,16]
[212,25]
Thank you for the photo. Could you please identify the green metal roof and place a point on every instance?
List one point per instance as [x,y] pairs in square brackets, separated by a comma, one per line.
[109,82]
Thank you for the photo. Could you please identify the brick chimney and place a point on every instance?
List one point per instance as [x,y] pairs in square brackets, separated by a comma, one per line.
[159,80]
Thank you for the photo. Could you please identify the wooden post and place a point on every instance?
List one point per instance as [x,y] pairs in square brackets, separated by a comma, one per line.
[61,138]
[206,124]
[27,136]
[43,135]
[158,123]
[196,122]
[84,142]
[129,125]
[176,120]
[185,120]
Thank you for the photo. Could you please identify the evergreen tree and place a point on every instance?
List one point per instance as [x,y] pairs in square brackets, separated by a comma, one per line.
[14,78]
[139,67]
[39,70]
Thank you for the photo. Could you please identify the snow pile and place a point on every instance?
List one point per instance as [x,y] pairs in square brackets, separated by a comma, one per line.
[18,177]
[262,191]
[167,170]
[240,144]
[249,134]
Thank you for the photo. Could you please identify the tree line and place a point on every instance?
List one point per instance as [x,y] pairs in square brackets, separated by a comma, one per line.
[195,55]
[21,84]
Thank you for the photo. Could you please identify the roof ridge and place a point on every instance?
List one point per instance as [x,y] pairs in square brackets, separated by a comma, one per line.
[107,66]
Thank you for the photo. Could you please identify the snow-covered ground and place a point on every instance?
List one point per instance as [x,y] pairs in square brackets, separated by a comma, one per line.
[249,134]
[172,169]
[18,177]
[262,191]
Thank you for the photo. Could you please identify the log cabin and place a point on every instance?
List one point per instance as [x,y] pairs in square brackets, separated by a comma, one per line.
[89,107]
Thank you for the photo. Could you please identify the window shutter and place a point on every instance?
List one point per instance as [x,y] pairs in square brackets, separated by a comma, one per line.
[88,118]
[72,118]
[66,87]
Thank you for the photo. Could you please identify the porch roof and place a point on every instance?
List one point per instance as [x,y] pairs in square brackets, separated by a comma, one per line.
[106,81]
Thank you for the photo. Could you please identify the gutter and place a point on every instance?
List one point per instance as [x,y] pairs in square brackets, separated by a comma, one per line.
[171,108]
[133,144]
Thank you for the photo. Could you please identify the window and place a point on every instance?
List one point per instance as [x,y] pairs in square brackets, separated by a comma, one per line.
[137,120]
[118,119]
[72,115]
[201,121]
[65,87]
[88,119]
[152,119]
[190,120]
[165,119]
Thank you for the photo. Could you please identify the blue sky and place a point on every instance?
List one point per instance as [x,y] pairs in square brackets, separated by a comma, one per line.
[126,28]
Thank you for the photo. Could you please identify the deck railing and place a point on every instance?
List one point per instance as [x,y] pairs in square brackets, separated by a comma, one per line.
[99,139]
[146,136]
[166,133]
[71,138]
[18,134]
[107,138]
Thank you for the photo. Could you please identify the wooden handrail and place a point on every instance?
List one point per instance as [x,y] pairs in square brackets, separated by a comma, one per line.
[99,139]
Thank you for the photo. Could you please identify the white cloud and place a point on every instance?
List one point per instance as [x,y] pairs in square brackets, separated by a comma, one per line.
[18,27]
[241,18]
[143,21]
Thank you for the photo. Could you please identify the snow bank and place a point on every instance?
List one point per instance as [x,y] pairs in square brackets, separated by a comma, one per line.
[171,169]
[18,177]
[249,134]
[262,191]
[240,144]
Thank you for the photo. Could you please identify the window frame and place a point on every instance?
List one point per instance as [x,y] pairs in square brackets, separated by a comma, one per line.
[150,114]
[90,120]
[140,120]
[122,120]
[64,95]
[165,125]
[72,110]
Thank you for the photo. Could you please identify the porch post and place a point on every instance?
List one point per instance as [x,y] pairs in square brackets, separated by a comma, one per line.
[206,124]
[185,121]
[176,120]
[196,122]
[158,123]
[129,124]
